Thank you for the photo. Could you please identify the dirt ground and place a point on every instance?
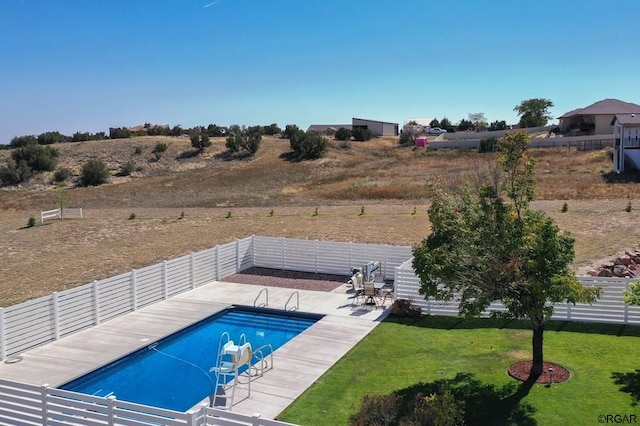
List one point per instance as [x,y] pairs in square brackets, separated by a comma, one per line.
[182,202]
[58,255]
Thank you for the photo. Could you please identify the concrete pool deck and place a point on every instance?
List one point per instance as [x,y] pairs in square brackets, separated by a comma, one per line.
[297,364]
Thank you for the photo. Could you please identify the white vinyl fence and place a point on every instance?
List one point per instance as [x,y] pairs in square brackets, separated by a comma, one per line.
[29,405]
[610,308]
[36,322]
[64,213]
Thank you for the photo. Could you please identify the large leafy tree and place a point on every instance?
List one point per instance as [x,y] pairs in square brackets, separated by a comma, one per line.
[487,245]
[534,112]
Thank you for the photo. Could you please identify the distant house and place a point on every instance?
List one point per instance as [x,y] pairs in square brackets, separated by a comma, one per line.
[377,128]
[626,136]
[327,129]
[148,126]
[596,119]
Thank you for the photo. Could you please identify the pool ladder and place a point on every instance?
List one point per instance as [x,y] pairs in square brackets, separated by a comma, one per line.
[297,305]
[237,364]
[266,300]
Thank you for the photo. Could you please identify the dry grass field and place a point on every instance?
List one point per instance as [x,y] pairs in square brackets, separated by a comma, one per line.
[182,201]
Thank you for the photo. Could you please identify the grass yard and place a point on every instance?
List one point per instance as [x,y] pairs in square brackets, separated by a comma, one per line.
[410,356]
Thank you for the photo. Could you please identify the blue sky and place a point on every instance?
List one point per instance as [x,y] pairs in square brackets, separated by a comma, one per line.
[87,65]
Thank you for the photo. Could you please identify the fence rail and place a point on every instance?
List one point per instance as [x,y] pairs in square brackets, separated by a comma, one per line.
[36,322]
[610,308]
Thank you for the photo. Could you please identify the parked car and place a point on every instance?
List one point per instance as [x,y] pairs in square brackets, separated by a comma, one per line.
[435,131]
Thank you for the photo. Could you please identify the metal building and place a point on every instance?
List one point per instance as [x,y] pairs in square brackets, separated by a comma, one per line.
[377,128]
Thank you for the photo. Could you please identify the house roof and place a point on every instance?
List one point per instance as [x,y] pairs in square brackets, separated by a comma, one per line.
[323,127]
[605,107]
[627,119]
[373,121]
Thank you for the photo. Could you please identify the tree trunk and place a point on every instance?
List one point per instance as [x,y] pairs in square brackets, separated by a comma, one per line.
[536,342]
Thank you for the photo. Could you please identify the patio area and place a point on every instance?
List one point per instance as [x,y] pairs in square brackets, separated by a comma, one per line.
[297,364]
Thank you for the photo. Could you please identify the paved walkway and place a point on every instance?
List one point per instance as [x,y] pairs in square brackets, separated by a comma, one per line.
[297,364]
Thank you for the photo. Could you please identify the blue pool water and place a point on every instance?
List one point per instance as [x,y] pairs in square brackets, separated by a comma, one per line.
[174,372]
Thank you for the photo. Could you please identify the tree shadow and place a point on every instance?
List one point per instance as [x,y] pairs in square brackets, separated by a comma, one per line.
[290,157]
[188,154]
[484,404]
[229,156]
[630,383]
[628,176]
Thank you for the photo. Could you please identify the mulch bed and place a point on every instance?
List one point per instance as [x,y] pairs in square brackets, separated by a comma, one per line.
[520,370]
[288,279]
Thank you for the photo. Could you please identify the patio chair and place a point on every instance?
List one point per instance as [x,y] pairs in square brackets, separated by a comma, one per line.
[370,295]
[385,293]
[356,286]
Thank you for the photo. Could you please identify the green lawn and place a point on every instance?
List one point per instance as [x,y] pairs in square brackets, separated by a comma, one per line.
[409,356]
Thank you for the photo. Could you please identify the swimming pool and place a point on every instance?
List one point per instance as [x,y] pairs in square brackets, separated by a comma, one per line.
[173,373]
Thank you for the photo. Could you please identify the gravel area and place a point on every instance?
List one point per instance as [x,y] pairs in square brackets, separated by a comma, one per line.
[288,279]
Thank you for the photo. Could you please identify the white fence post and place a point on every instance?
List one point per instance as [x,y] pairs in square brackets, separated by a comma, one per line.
[96,303]
[217,263]
[3,337]
[255,419]
[284,253]
[237,256]
[44,393]
[568,311]
[134,290]
[192,270]
[111,410]
[165,280]
[253,250]
[350,256]
[56,319]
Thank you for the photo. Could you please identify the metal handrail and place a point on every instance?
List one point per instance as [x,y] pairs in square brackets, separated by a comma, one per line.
[263,362]
[295,308]
[266,303]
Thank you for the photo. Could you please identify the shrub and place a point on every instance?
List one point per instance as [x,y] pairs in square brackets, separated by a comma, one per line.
[247,139]
[94,172]
[132,216]
[565,208]
[200,141]
[361,134]
[31,222]
[14,173]
[38,158]
[62,174]
[439,408]
[27,161]
[127,168]
[160,147]
[137,150]
[19,141]
[488,145]
[629,207]
[343,134]
[377,410]
[308,146]
[290,130]
[406,139]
